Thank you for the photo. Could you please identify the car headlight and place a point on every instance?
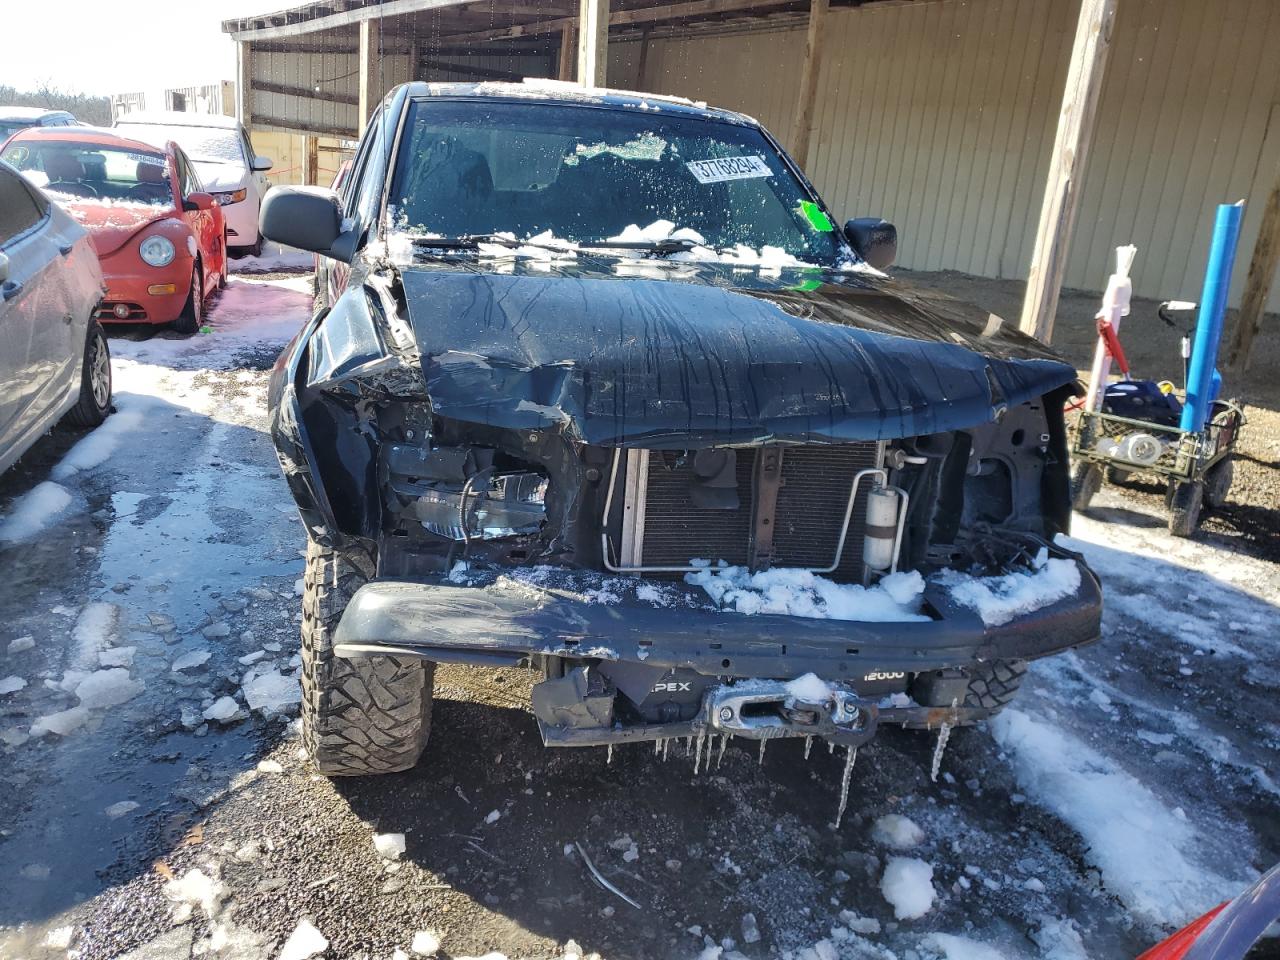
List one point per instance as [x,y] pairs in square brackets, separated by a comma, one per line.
[233,196]
[156,251]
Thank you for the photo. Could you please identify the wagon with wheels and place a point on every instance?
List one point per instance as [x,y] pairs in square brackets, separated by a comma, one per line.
[1137,429]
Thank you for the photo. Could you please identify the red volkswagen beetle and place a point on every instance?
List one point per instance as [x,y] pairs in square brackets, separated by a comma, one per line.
[161,239]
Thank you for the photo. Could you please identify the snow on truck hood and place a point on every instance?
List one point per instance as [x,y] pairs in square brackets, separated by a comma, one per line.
[718,356]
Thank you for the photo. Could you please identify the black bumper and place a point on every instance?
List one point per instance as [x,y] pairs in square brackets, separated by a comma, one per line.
[510,623]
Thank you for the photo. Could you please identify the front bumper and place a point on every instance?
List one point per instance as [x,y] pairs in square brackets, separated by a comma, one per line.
[511,622]
[131,285]
[242,222]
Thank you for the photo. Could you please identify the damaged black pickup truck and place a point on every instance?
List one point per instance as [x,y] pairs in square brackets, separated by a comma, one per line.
[596,386]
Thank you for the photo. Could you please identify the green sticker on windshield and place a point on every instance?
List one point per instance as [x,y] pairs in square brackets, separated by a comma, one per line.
[804,286]
[817,219]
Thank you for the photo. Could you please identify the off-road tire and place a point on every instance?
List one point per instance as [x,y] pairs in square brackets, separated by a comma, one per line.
[993,684]
[1217,482]
[93,406]
[1086,481]
[1184,507]
[361,716]
[192,316]
[1116,475]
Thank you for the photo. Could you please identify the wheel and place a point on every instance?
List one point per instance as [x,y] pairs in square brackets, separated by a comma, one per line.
[1116,475]
[1217,482]
[1086,481]
[95,381]
[256,249]
[361,716]
[191,319]
[1184,507]
[993,684]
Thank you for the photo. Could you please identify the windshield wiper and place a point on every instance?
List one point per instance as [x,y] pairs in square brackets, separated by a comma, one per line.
[669,245]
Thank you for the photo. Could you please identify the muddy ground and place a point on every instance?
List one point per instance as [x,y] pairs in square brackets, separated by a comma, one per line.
[181,540]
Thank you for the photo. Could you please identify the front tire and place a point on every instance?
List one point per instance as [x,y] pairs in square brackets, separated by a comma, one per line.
[191,319]
[95,380]
[1184,507]
[994,684]
[361,716]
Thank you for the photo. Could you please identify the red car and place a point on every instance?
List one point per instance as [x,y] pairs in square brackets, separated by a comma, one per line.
[161,239]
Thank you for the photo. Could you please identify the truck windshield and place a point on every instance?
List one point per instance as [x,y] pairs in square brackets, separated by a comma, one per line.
[590,174]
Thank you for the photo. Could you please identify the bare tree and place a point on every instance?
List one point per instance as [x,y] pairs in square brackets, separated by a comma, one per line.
[83,106]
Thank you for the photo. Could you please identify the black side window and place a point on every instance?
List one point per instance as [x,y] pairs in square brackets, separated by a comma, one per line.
[19,210]
[354,188]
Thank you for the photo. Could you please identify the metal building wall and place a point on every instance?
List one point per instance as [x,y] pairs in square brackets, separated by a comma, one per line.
[940,116]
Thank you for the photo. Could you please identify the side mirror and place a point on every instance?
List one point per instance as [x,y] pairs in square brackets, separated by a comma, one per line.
[875,240]
[261,163]
[308,218]
[199,201]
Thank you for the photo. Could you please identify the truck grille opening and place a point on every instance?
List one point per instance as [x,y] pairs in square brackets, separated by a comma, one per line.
[666,524]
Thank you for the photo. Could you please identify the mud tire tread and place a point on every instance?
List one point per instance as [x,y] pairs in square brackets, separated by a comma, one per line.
[994,684]
[359,717]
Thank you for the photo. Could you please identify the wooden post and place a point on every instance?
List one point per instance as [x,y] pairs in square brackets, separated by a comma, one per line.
[593,42]
[568,55]
[642,60]
[244,84]
[803,124]
[1064,184]
[312,175]
[1257,284]
[370,69]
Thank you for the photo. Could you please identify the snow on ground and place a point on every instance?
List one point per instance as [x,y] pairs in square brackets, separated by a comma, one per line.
[34,511]
[275,258]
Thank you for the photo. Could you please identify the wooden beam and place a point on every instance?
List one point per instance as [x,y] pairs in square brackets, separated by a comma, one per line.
[1065,182]
[567,64]
[244,82]
[692,10]
[302,127]
[593,42]
[1257,284]
[311,174]
[802,126]
[295,23]
[309,93]
[370,69]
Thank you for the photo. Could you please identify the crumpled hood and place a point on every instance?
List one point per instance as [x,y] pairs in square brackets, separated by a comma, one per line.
[111,225]
[718,356]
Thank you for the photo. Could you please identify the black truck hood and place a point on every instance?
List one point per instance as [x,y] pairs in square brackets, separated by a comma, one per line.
[692,357]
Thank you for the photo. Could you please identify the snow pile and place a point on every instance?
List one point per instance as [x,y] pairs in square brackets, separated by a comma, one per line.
[62,723]
[952,947]
[907,885]
[809,688]
[98,445]
[33,511]
[1001,598]
[12,685]
[1144,850]
[426,943]
[305,941]
[897,831]
[389,845]
[194,889]
[107,688]
[800,593]
[739,255]
[272,692]
[92,633]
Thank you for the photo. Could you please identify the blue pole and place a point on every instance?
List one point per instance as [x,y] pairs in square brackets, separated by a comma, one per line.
[1213,306]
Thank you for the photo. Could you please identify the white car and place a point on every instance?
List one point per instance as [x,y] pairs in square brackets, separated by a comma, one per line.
[54,360]
[225,162]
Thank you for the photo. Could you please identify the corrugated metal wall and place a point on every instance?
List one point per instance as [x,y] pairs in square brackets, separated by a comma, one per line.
[940,116]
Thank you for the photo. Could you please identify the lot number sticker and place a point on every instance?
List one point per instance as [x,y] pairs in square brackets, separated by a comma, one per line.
[729,168]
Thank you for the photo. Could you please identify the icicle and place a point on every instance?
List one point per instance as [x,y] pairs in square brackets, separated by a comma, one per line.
[763,744]
[724,742]
[944,734]
[665,744]
[608,757]
[808,745]
[688,745]
[831,746]
[850,756]
[697,756]
[657,747]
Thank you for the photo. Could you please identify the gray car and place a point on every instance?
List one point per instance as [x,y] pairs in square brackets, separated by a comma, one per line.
[13,119]
[54,360]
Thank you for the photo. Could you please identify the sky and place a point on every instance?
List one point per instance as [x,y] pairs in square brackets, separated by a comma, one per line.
[121,46]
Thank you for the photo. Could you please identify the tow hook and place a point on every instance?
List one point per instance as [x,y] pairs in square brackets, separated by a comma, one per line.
[764,709]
